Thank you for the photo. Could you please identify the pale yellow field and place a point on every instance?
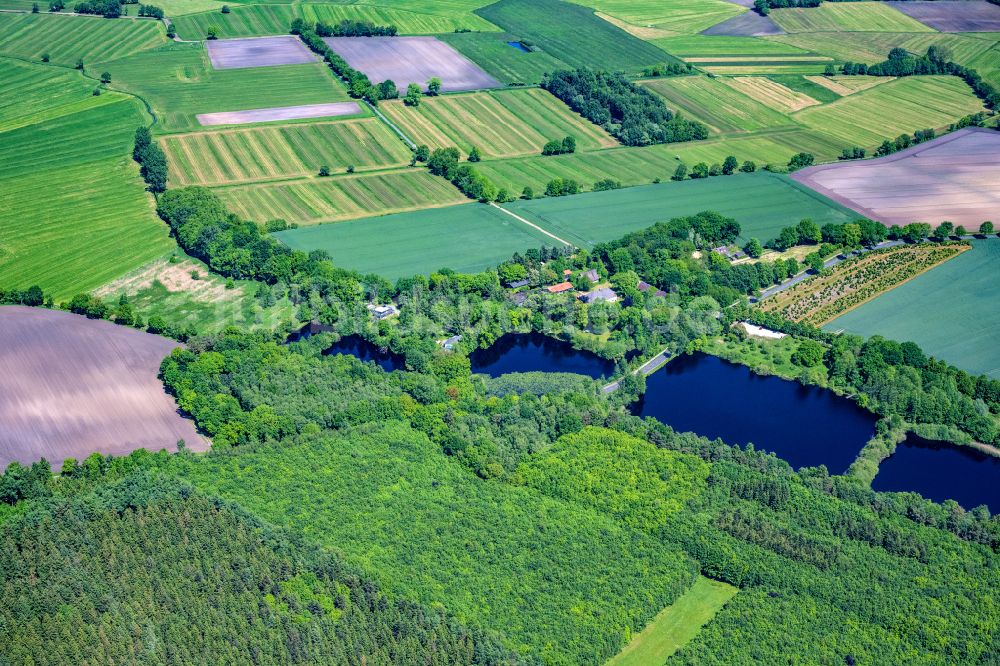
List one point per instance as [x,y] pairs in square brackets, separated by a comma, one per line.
[771,93]
[501,124]
[848,85]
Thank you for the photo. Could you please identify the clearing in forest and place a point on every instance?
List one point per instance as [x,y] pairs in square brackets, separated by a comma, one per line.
[771,93]
[822,298]
[406,60]
[965,303]
[271,152]
[955,177]
[315,200]
[70,386]
[848,17]
[258,52]
[676,624]
[73,211]
[501,124]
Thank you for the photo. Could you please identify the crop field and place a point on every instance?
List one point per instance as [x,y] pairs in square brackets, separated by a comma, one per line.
[318,200]
[425,19]
[258,52]
[851,283]
[749,24]
[770,93]
[179,83]
[500,124]
[74,212]
[847,17]
[763,204]
[269,152]
[465,238]
[639,166]
[676,624]
[411,60]
[893,108]
[491,51]
[966,307]
[67,38]
[685,46]
[573,34]
[241,21]
[276,113]
[682,16]
[91,386]
[723,107]
[955,177]
[977,51]
[970,16]
[848,85]
[173,8]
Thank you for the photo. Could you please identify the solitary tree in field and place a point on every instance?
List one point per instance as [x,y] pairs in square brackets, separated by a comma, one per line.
[324,171]
[212,32]
[434,86]
[753,248]
[225,9]
[412,95]
[34,8]
[729,165]
[45,57]
[79,63]
[106,77]
[986,227]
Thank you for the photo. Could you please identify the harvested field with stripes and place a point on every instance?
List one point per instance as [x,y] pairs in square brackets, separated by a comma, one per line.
[341,198]
[70,386]
[680,16]
[726,108]
[423,19]
[241,21]
[67,38]
[270,152]
[847,17]
[771,93]
[500,124]
[848,85]
[888,110]
[276,113]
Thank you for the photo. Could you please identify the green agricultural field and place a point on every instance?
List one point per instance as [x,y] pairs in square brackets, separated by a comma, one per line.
[763,204]
[800,83]
[68,38]
[682,16]
[74,213]
[423,20]
[507,64]
[241,21]
[178,82]
[316,200]
[573,34]
[639,166]
[266,152]
[676,624]
[951,311]
[716,104]
[847,17]
[685,46]
[465,238]
[890,109]
[501,124]
[174,8]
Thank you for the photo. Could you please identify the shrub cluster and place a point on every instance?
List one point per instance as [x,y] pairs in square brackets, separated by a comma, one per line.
[633,115]
[105,8]
[151,159]
[151,11]
[557,147]
[444,162]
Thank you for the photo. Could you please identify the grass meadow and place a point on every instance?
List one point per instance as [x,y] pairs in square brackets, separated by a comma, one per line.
[241,21]
[178,82]
[68,38]
[505,63]
[501,124]
[847,17]
[465,238]
[763,204]
[573,34]
[75,213]
[951,311]
[270,152]
[316,200]
[676,624]
[682,16]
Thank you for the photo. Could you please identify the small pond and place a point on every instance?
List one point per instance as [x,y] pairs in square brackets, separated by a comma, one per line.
[940,471]
[534,352]
[519,46]
[805,425]
[355,345]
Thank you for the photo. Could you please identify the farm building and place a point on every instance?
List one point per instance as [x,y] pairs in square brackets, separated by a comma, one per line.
[559,288]
[382,311]
[605,294]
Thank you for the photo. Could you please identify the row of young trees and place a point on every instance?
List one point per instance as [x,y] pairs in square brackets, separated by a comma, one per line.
[631,114]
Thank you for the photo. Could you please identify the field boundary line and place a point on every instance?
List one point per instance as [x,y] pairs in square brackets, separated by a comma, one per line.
[409,142]
[530,224]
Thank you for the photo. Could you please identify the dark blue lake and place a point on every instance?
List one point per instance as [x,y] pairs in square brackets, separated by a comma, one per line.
[534,352]
[805,425]
[941,471]
[357,346]
[519,46]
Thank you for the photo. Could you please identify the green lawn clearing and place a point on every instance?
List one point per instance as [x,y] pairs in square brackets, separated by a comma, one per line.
[951,311]
[74,212]
[68,38]
[676,624]
[501,124]
[573,34]
[178,82]
[465,238]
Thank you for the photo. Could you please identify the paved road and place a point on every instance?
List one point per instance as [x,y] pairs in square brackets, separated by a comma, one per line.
[647,368]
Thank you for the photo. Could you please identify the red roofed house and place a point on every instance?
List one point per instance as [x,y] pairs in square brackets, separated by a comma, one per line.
[559,288]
